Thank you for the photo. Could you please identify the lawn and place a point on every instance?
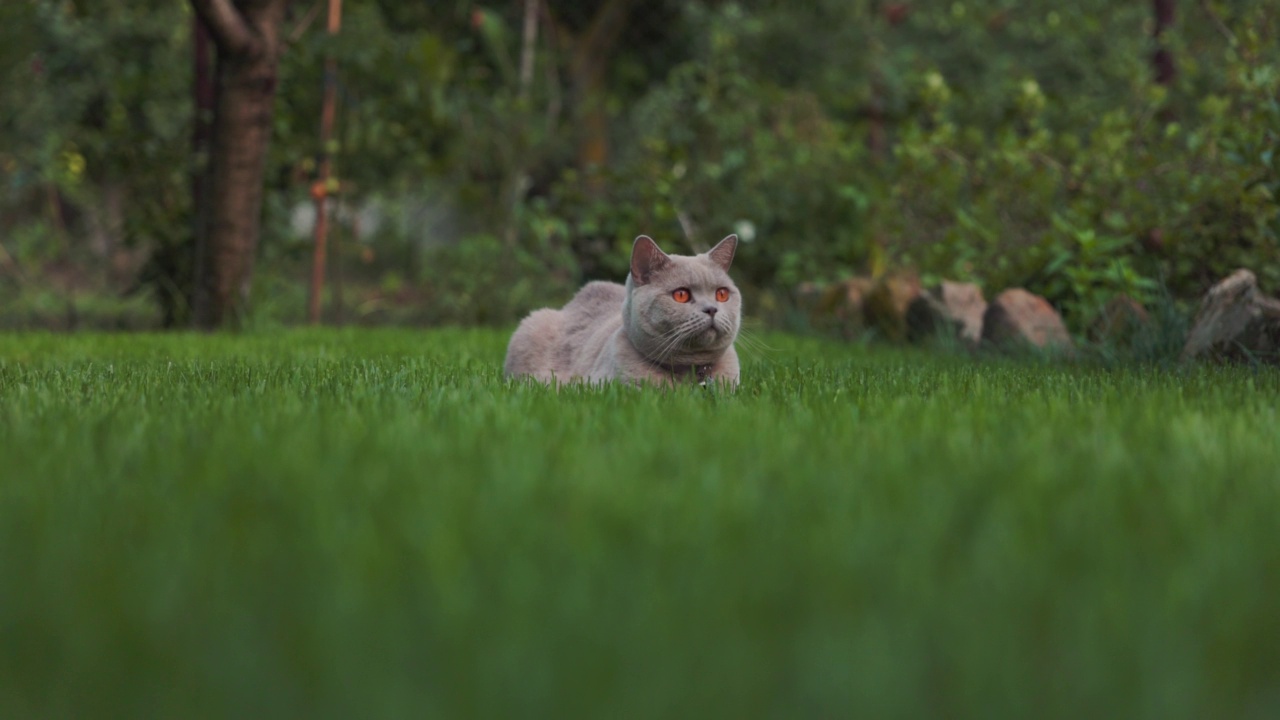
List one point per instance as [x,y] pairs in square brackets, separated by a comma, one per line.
[360,524]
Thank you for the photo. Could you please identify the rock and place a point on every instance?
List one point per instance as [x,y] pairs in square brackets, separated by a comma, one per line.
[1236,322]
[952,308]
[887,304]
[837,307]
[1017,317]
[1121,319]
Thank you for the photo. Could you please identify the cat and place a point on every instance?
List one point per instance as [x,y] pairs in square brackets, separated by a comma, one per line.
[675,320]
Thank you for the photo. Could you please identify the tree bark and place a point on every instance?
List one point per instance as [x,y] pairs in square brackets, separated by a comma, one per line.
[246,35]
[1162,61]
[183,289]
[587,66]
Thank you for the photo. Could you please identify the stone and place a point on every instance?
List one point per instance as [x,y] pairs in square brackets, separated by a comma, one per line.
[1018,317]
[887,304]
[1120,321]
[1236,322]
[951,309]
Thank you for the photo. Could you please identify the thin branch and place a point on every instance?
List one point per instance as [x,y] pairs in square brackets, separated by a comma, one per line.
[560,36]
[226,25]
[555,40]
[528,45]
[305,22]
[8,263]
[690,231]
[1217,22]
[606,27]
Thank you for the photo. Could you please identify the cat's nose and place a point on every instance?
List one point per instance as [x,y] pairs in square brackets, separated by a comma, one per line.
[711,311]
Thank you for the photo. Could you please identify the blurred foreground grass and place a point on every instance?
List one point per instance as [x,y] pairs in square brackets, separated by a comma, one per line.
[374,524]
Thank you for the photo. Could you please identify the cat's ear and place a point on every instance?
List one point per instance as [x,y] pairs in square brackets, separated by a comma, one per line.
[722,253]
[646,259]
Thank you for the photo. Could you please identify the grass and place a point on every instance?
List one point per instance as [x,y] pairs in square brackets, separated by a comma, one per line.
[375,524]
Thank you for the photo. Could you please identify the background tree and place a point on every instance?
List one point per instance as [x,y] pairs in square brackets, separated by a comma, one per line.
[246,35]
[1162,61]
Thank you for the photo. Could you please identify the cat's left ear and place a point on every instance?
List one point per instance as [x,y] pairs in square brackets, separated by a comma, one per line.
[722,253]
[646,259]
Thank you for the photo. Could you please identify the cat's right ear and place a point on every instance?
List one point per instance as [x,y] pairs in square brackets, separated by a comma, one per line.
[646,259]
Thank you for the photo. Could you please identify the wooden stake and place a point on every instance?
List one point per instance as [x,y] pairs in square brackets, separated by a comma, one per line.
[320,189]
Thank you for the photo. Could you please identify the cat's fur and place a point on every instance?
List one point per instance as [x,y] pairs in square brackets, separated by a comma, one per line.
[639,332]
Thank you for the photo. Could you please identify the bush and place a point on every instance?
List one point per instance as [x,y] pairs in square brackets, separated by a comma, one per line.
[482,281]
[1079,217]
[715,152]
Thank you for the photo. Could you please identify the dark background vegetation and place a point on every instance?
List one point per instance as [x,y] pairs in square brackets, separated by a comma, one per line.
[1080,150]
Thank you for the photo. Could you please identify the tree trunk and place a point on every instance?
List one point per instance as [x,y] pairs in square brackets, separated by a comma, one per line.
[178,299]
[246,34]
[1162,61]
[587,69]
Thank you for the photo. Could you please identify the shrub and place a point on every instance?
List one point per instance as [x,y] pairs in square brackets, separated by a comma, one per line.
[481,280]
[715,151]
[1079,217]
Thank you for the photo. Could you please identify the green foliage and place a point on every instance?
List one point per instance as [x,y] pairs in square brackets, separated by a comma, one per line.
[481,281]
[716,152]
[1009,143]
[1079,217]
[86,105]
[387,119]
[48,308]
[375,524]
[1084,55]
[94,142]
[1086,270]
[1076,184]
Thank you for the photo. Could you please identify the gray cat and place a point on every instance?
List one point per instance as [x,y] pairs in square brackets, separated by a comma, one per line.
[675,320]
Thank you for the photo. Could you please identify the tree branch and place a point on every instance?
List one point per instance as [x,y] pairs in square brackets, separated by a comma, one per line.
[527,46]
[1217,22]
[607,27]
[305,22]
[226,25]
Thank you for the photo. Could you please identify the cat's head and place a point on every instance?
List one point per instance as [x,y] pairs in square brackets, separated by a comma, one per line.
[679,309]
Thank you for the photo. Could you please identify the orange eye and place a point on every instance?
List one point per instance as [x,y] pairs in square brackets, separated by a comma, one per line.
[681,295]
[722,295]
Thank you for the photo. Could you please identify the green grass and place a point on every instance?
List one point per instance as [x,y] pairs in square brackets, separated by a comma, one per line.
[375,524]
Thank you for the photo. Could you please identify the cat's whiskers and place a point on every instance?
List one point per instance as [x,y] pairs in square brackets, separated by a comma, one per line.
[673,333]
[677,337]
[753,344]
[663,343]
[750,341]
[678,334]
